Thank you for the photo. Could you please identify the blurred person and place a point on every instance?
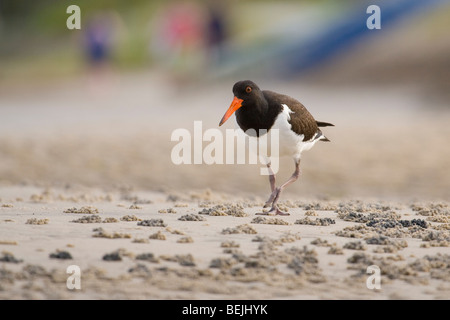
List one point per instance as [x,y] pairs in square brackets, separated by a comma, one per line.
[216,31]
[98,44]
[179,41]
[98,41]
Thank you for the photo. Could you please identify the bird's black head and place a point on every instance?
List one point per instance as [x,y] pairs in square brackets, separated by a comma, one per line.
[246,90]
[246,93]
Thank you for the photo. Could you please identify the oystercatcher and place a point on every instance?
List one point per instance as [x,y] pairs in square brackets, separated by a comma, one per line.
[267,110]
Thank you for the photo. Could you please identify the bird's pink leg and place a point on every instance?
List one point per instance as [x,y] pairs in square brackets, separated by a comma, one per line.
[277,192]
[272,187]
[271,177]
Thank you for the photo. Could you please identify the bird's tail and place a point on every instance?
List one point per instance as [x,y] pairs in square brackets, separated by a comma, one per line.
[319,136]
[324,124]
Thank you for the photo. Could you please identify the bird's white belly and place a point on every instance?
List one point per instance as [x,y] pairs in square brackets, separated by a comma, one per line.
[290,143]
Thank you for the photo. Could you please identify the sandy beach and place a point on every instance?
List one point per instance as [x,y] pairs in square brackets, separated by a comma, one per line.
[204,245]
[87,181]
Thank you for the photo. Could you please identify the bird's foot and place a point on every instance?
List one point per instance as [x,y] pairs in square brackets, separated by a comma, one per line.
[274,211]
[273,195]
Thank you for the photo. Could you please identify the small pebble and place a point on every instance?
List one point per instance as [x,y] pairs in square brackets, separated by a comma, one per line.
[152,223]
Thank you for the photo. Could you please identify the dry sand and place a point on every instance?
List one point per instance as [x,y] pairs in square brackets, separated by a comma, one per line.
[203,245]
[87,176]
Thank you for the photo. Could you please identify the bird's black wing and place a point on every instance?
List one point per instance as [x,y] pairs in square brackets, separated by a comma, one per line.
[301,120]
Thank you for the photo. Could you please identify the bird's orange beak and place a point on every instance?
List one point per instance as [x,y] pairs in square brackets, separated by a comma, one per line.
[235,104]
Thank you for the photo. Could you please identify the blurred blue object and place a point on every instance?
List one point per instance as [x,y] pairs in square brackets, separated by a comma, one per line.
[350,28]
[289,55]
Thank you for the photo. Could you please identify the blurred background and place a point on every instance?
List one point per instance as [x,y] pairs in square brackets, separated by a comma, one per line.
[97,106]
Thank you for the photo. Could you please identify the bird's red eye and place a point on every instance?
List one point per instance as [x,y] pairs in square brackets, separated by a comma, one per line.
[248,89]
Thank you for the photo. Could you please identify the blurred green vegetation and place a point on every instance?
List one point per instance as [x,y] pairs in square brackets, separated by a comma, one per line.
[36,42]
